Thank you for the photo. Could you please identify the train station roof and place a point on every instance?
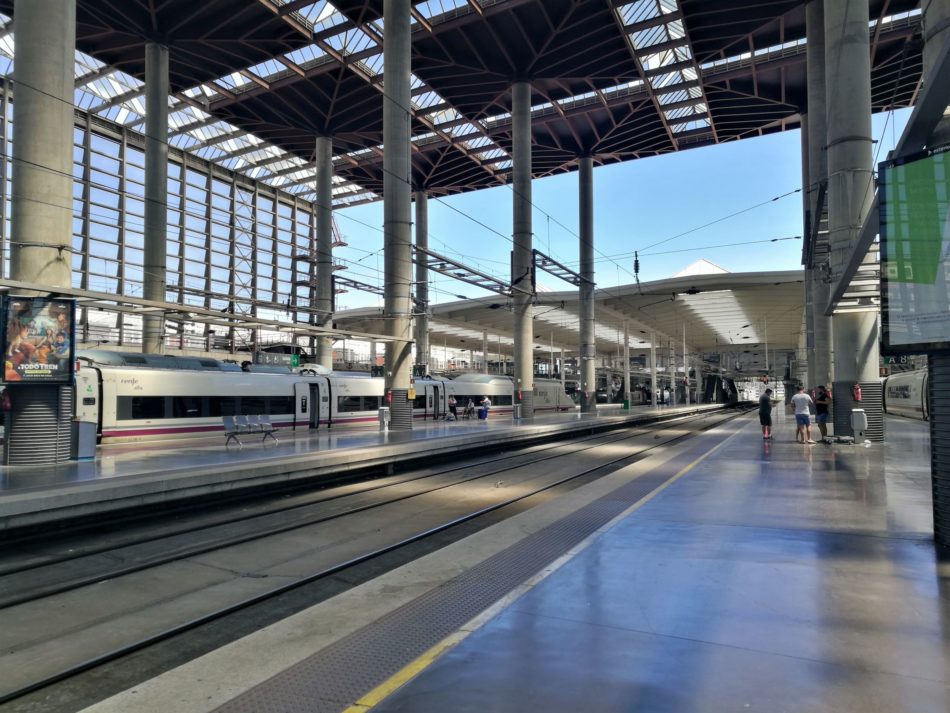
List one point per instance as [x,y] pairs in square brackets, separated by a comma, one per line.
[722,312]
[254,81]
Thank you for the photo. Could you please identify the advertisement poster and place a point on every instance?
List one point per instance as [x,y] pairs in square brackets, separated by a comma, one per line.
[914,197]
[38,340]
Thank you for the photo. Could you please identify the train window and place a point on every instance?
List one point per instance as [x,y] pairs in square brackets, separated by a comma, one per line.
[133,408]
[253,405]
[277,405]
[372,403]
[222,406]
[349,403]
[500,400]
[186,407]
[419,401]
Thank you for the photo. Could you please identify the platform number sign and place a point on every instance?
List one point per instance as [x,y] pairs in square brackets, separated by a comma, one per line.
[38,340]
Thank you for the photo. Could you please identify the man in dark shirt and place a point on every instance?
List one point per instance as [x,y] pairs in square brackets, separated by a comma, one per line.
[822,402]
[765,414]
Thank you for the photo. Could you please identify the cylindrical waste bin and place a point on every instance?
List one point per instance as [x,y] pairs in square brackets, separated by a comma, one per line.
[83,441]
[517,410]
[859,424]
[384,418]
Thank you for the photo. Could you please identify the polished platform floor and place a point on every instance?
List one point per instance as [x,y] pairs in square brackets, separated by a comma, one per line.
[773,577]
[758,576]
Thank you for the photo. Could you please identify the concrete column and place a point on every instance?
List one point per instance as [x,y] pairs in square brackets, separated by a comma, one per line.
[397,209]
[323,293]
[38,423]
[588,344]
[522,273]
[421,306]
[816,128]
[563,374]
[484,351]
[653,397]
[936,34]
[627,392]
[936,28]
[156,192]
[42,190]
[850,191]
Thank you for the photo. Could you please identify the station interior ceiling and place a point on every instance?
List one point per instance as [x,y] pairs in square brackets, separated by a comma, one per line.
[254,82]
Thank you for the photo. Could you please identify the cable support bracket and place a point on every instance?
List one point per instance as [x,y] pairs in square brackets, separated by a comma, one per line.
[553,267]
[459,271]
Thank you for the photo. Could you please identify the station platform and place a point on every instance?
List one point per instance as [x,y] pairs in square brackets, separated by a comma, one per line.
[130,475]
[727,573]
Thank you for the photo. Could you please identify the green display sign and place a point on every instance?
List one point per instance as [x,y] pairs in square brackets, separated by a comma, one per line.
[295,360]
[914,197]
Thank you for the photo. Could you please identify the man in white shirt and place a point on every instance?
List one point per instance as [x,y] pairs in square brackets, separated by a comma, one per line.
[802,403]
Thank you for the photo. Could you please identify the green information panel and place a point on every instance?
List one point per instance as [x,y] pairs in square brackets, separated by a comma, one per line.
[914,197]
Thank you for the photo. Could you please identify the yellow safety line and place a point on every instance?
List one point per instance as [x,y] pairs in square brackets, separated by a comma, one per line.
[411,670]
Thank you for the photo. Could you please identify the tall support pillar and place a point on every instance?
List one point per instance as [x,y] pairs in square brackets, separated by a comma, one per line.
[588,345]
[685,369]
[627,392]
[850,192]
[484,351]
[421,306]
[654,398]
[156,192]
[522,272]
[936,35]
[397,210]
[323,292]
[38,424]
[816,159]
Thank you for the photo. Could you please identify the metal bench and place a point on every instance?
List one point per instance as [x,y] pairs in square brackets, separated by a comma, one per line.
[232,430]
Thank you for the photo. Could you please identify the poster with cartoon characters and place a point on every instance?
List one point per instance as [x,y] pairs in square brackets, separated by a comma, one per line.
[38,340]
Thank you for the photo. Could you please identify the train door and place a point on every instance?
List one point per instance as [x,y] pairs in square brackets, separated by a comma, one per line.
[302,403]
[88,402]
[315,405]
[433,401]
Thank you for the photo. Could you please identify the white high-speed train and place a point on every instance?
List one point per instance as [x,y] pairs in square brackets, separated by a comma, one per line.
[136,397]
[905,394]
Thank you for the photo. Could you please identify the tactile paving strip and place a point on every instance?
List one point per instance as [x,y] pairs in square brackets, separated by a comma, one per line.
[338,675]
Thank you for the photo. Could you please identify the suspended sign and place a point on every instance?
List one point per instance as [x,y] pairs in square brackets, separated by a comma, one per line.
[38,340]
[914,198]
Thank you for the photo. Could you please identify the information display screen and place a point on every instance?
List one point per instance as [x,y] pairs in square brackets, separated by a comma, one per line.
[38,340]
[914,197]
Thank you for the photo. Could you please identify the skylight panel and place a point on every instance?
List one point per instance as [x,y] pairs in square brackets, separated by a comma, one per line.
[233,81]
[322,15]
[432,9]
[350,42]
[267,69]
[305,56]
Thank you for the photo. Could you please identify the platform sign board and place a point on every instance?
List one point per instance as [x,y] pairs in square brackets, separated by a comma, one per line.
[38,340]
[914,198]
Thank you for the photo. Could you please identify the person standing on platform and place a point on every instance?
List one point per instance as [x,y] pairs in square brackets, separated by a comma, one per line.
[485,404]
[453,409]
[822,406]
[765,414]
[802,403]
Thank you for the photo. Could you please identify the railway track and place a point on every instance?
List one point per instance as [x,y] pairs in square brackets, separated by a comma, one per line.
[69,607]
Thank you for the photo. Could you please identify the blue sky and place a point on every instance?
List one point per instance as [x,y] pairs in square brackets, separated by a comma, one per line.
[673,209]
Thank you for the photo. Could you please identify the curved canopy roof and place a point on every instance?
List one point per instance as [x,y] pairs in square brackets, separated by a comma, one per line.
[254,81]
[723,313]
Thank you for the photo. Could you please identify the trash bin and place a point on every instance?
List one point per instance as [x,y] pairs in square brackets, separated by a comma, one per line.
[83,446]
[384,418]
[482,413]
[626,404]
[859,424]
[517,411]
